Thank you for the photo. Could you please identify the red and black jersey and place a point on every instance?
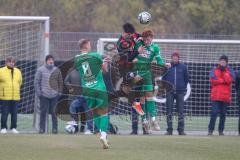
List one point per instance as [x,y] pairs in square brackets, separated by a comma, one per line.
[125,47]
[127,44]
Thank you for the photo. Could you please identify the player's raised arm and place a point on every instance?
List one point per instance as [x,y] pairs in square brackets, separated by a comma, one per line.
[158,57]
[105,63]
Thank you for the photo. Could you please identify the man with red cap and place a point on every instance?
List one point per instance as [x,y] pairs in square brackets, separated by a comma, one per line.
[177,75]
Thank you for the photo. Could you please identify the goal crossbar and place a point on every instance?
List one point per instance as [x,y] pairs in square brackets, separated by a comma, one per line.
[45,20]
[182,41]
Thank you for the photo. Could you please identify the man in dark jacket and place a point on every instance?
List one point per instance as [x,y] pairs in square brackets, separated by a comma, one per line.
[221,79]
[177,75]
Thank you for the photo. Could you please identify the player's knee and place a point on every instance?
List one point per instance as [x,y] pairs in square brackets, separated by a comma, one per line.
[101,111]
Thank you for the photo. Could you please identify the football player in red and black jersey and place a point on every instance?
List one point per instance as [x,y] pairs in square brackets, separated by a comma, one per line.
[125,47]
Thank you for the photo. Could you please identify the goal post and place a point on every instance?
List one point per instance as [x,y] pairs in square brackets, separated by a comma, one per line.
[200,56]
[45,27]
[26,38]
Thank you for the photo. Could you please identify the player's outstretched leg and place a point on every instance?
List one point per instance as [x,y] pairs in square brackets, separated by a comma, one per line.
[103,131]
[151,107]
[138,108]
[136,99]
[101,121]
[145,122]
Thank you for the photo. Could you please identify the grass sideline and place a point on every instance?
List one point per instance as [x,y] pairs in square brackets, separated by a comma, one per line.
[72,147]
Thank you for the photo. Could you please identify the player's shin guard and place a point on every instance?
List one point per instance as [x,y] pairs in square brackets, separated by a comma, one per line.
[145,123]
[151,107]
[104,123]
[103,127]
[101,122]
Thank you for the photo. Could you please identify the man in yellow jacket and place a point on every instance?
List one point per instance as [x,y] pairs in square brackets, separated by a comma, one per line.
[10,83]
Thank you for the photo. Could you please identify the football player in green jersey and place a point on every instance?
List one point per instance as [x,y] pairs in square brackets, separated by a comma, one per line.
[147,52]
[90,67]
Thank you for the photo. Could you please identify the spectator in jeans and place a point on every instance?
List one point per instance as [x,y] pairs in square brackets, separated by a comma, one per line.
[10,84]
[48,84]
[238,98]
[221,79]
[78,106]
[177,75]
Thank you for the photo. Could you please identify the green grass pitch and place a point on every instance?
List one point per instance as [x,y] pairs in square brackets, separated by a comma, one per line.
[81,147]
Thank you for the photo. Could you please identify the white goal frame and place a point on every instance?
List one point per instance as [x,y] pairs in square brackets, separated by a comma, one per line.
[46,29]
[44,39]
[198,104]
[100,49]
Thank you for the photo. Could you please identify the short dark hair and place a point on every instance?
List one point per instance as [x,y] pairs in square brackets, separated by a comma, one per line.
[10,59]
[83,42]
[224,57]
[128,28]
[176,53]
[48,57]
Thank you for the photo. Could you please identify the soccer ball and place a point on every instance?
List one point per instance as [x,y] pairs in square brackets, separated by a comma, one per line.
[71,127]
[144,17]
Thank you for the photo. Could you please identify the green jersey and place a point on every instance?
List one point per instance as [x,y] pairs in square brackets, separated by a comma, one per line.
[143,65]
[144,59]
[89,66]
[152,51]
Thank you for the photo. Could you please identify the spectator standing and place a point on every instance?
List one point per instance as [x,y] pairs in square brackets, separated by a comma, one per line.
[10,84]
[48,82]
[177,75]
[221,79]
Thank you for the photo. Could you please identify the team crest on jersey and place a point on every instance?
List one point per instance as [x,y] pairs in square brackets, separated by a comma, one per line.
[151,50]
[148,52]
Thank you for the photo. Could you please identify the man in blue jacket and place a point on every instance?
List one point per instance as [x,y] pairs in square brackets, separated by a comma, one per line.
[177,75]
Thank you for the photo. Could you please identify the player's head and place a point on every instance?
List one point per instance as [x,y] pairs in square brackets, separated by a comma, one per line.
[10,62]
[128,29]
[223,60]
[49,60]
[147,36]
[84,45]
[175,57]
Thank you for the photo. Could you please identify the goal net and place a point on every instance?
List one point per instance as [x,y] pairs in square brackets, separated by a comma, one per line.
[25,39]
[200,56]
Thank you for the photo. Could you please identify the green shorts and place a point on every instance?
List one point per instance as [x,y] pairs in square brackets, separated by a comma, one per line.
[95,98]
[147,82]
